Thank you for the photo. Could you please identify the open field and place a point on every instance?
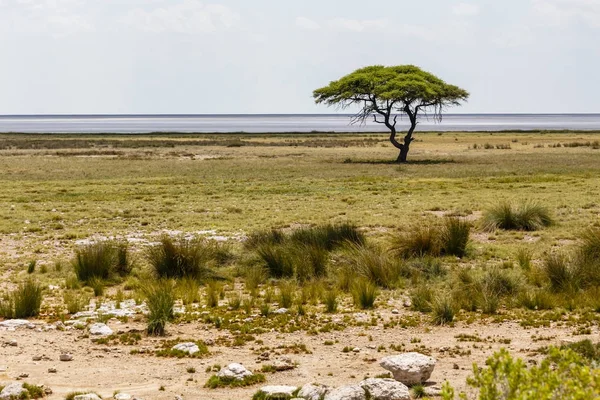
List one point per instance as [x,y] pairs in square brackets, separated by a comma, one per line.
[60,192]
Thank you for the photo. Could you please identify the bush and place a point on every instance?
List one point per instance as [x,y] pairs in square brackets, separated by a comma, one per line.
[213,290]
[31,267]
[372,264]
[427,267]
[277,259]
[74,301]
[442,310]
[188,289]
[421,298]
[561,275]
[27,299]
[330,301]
[97,284]
[364,293]
[524,257]
[181,258]
[562,375]
[536,300]
[287,291]
[328,237]
[257,239]
[310,262]
[95,260]
[7,307]
[528,217]
[160,300]
[586,349]
[587,258]
[254,276]
[455,237]
[420,242]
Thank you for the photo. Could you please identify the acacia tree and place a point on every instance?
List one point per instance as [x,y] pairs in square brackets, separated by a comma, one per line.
[382,92]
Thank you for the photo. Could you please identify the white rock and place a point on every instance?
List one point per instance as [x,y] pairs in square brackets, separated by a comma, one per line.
[234,371]
[281,311]
[278,391]
[12,391]
[13,342]
[385,389]
[351,392]
[100,329]
[188,347]
[66,357]
[409,368]
[395,311]
[313,391]
[87,396]
[14,323]
[122,396]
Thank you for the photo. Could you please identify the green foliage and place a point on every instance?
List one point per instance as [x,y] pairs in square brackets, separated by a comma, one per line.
[536,300]
[561,275]
[34,391]
[586,349]
[562,375]
[74,301]
[330,300]
[97,284]
[27,299]
[310,262]
[442,310]
[420,241]
[364,293]
[524,257]
[455,237]
[215,381]
[371,263]
[181,257]
[160,298]
[31,266]
[329,236]
[278,260]
[421,298]
[213,290]
[103,260]
[287,292]
[528,217]
[259,238]
[188,290]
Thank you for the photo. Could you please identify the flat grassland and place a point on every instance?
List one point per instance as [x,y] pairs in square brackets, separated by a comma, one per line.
[61,191]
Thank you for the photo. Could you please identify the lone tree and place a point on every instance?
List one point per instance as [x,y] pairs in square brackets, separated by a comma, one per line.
[381,92]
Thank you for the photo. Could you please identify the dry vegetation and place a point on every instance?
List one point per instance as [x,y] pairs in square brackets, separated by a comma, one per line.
[482,241]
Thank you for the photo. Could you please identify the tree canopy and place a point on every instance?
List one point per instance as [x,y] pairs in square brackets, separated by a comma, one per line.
[381,92]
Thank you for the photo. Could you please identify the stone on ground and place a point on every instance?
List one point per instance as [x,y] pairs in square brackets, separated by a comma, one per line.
[385,389]
[409,368]
[234,371]
[313,391]
[100,330]
[350,392]
[87,396]
[278,391]
[13,391]
[188,347]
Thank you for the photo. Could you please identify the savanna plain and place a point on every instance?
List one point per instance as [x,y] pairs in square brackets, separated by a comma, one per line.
[307,258]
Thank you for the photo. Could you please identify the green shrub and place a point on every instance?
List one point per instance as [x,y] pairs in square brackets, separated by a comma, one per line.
[235,301]
[421,298]
[524,257]
[428,267]
[371,263]
[561,275]
[330,300]
[277,259]
[257,239]
[213,290]
[328,237]
[123,265]
[97,284]
[7,307]
[442,310]
[287,292]
[455,237]
[536,300]
[31,266]
[254,276]
[586,349]
[74,301]
[364,293]
[418,242]
[528,217]
[562,375]
[95,260]
[310,262]
[179,258]
[27,299]
[188,290]
[160,299]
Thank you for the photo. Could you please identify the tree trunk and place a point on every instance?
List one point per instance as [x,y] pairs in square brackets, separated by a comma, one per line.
[403,153]
[407,139]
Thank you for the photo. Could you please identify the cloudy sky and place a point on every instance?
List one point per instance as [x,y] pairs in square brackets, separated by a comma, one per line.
[266,56]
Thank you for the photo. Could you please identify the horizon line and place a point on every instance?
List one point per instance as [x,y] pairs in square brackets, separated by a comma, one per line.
[272,114]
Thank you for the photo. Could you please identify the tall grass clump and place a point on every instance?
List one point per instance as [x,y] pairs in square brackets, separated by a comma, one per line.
[259,238]
[160,299]
[181,257]
[527,217]
[328,236]
[421,299]
[287,292]
[27,299]
[524,257]
[419,242]
[213,290]
[330,299]
[455,237]
[310,262]
[442,310]
[371,263]
[103,260]
[560,274]
[364,293]
[254,276]
[277,259]
[587,257]
[188,290]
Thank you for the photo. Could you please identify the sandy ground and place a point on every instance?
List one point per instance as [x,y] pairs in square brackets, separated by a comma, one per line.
[106,369]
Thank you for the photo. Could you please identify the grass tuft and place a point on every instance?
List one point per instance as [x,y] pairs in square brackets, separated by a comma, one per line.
[364,293]
[529,216]
[180,258]
[160,298]
[215,381]
[419,242]
[455,237]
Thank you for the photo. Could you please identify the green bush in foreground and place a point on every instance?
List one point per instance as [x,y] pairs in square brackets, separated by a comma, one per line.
[563,374]
[160,298]
[180,258]
[102,260]
[23,302]
[364,293]
[455,237]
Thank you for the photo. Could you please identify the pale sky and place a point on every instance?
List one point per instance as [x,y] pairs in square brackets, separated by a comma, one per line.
[267,56]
